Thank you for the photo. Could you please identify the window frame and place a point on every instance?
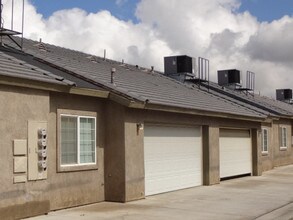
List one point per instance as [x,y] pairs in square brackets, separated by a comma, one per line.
[263,140]
[283,137]
[78,166]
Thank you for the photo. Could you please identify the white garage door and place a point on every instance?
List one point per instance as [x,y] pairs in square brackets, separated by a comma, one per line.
[235,152]
[173,158]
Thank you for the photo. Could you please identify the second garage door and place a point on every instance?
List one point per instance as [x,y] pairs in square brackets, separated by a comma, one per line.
[235,152]
[173,158]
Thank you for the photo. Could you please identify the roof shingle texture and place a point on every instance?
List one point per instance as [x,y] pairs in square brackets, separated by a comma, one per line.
[139,83]
[10,66]
[268,104]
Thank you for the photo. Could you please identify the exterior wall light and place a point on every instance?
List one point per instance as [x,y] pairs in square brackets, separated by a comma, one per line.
[139,127]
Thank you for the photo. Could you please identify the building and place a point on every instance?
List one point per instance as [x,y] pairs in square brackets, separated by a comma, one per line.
[81,129]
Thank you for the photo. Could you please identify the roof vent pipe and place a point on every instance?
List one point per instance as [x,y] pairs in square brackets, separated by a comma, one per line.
[105,53]
[113,70]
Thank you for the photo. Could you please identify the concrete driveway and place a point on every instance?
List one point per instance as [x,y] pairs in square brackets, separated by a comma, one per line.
[267,197]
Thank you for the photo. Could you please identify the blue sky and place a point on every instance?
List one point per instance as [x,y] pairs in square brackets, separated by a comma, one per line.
[205,28]
[123,9]
[264,10]
[268,10]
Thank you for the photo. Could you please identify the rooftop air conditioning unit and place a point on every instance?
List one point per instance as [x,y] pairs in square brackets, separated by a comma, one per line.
[179,64]
[228,77]
[284,94]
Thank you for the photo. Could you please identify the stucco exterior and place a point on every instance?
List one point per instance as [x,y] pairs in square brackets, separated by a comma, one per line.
[124,156]
[276,155]
[268,157]
[19,200]
[135,99]
[119,174]
[282,156]
[60,190]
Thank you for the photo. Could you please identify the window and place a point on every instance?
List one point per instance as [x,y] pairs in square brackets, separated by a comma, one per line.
[77,140]
[265,140]
[283,137]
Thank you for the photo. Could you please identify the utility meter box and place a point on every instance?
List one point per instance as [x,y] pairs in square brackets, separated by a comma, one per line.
[37,150]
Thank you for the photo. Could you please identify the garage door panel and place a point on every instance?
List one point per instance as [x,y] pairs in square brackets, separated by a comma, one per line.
[167,168]
[171,132]
[235,152]
[234,133]
[173,158]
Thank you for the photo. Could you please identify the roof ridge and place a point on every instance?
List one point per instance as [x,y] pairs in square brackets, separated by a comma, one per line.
[90,55]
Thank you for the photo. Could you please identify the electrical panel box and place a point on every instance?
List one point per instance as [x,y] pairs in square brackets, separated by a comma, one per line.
[20,164]
[37,150]
[284,94]
[179,64]
[228,77]
[19,147]
[20,179]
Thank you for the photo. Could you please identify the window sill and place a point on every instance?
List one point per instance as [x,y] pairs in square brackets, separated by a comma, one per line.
[265,153]
[74,168]
[283,148]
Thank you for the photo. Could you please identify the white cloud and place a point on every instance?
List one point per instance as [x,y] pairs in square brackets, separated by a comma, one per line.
[213,29]
[272,42]
[121,2]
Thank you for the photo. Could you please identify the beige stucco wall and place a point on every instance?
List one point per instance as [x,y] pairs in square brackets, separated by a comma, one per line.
[277,156]
[211,159]
[115,153]
[17,106]
[59,190]
[120,149]
[267,158]
[133,153]
[282,157]
[68,189]
[256,151]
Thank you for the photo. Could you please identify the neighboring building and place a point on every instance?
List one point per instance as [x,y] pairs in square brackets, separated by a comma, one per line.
[79,129]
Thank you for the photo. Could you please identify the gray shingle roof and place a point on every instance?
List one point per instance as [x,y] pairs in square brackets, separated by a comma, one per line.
[12,67]
[266,104]
[30,60]
[230,98]
[281,107]
[138,83]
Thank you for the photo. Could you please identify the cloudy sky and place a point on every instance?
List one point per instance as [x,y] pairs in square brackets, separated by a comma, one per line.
[254,35]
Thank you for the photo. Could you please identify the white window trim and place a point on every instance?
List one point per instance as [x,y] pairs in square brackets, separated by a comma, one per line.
[263,140]
[78,141]
[281,138]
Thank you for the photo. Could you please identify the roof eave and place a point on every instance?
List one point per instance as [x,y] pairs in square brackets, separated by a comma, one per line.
[33,84]
[89,92]
[158,107]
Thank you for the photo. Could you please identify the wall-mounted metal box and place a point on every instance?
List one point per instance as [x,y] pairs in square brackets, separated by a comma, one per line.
[19,147]
[37,150]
